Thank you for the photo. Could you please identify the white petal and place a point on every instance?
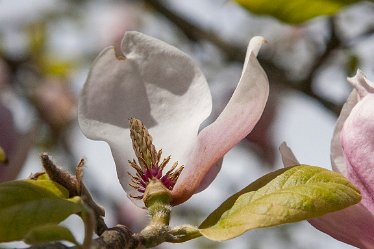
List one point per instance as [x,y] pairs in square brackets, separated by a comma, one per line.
[152,81]
[254,47]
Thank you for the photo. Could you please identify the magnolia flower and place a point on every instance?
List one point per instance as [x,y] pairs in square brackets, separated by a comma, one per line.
[352,150]
[161,86]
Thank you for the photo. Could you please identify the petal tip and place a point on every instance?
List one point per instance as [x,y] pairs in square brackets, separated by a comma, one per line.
[361,83]
[288,157]
[357,77]
[129,35]
[255,44]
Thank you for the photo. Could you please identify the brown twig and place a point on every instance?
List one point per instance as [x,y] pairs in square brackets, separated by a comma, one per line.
[118,237]
[76,187]
[195,33]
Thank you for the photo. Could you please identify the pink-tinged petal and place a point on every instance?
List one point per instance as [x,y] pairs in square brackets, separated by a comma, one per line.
[353,225]
[211,175]
[151,81]
[233,124]
[362,88]
[337,156]
[357,139]
[288,157]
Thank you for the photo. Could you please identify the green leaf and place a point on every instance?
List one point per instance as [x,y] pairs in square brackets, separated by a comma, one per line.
[44,182]
[49,233]
[284,196]
[27,204]
[3,158]
[295,11]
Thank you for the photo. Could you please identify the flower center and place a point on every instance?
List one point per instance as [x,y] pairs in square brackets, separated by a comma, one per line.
[149,167]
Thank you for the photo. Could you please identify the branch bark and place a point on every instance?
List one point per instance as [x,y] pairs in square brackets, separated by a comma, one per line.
[118,237]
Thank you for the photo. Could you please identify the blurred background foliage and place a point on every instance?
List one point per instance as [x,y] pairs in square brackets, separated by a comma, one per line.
[47,46]
[295,11]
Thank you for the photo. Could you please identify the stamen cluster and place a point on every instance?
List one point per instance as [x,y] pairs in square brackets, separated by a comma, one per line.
[148,166]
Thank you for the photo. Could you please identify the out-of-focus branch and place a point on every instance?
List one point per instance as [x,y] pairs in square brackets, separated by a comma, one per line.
[196,33]
[17,64]
[331,44]
[233,52]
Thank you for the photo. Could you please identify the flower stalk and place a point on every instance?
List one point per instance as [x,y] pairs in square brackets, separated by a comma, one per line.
[154,187]
[183,233]
[157,199]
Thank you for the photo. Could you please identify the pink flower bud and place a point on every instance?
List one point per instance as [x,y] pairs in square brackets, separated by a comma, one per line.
[352,150]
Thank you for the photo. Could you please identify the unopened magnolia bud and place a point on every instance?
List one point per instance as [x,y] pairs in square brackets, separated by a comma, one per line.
[56,102]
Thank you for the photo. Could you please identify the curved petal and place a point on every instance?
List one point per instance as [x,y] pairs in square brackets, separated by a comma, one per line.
[353,225]
[234,123]
[337,156]
[152,81]
[212,174]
